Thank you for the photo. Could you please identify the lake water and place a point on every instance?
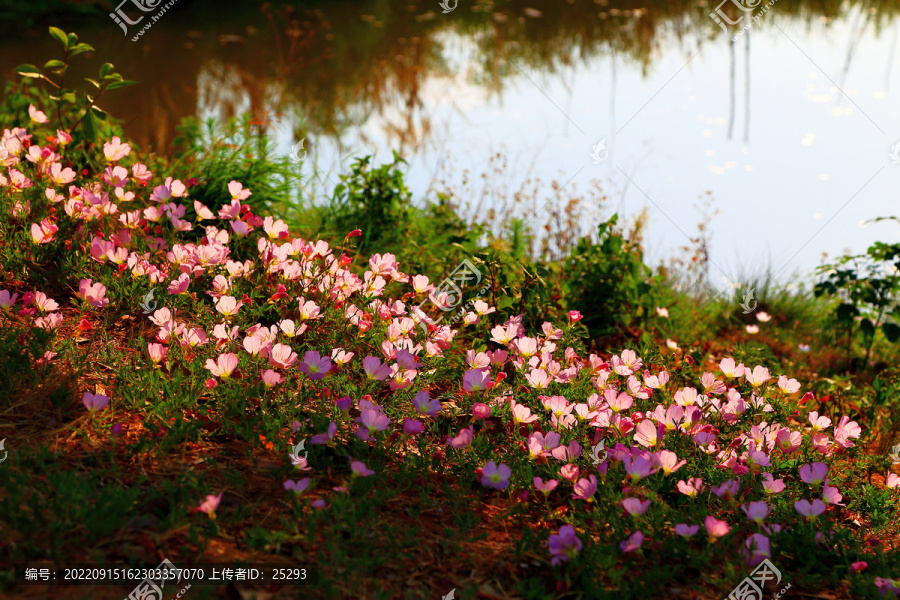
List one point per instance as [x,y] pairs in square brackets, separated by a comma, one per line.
[789,129]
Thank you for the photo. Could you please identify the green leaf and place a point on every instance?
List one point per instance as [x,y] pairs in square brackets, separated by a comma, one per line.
[80,48]
[60,36]
[55,65]
[99,113]
[29,71]
[846,312]
[120,84]
[868,327]
[505,302]
[891,331]
[71,40]
[105,68]
[90,127]
[92,82]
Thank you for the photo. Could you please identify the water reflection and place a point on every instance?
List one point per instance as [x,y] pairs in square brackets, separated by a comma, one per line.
[361,76]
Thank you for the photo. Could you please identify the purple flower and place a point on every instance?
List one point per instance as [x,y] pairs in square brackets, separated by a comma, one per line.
[95,402]
[324,438]
[297,487]
[359,468]
[565,545]
[633,542]
[315,366]
[412,427]
[343,404]
[495,476]
[757,549]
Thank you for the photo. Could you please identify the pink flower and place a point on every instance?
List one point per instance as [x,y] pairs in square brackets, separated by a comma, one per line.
[6,300]
[237,191]
[282,355]
[462,440]
[844,430]
[758,376]
[569,472]
[633,542]
[691,487]
[521,413]
[772,485]
[810,510]
[668,462]
[115,150]
[360,469]
[565,545]
[645,433]
[575,316]
[210,504]
[223,366]
[729,369]
[859,566]
[585,488]
[157,352]
[481,411]
[495,476]
[814,474]
[43,233]
[94,402]
[298,487]
[180,285]
[788,441]
[716,528]
[270,378]
[375,369]
[831,495]
[35,115]
[819,423]
[547,487]
[228,306]
[686,531]
[315,366]
[634,506]
[892,480]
